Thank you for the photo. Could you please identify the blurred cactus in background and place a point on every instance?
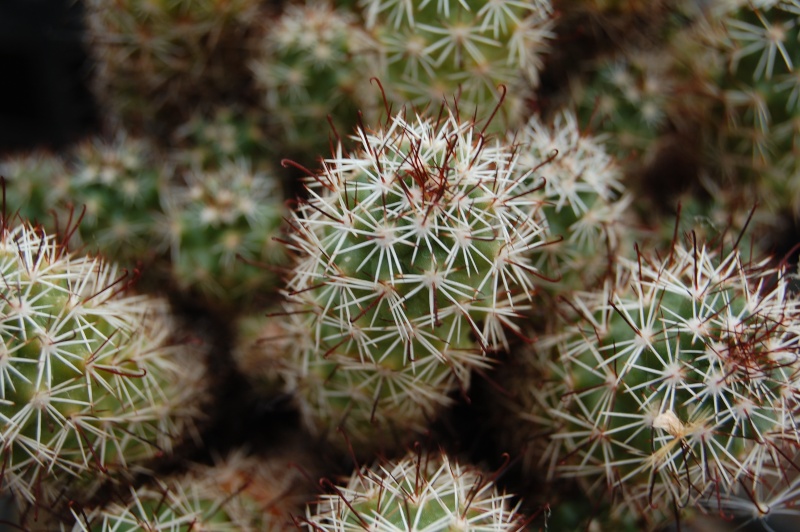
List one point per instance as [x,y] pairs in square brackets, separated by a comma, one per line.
[218,228]
[461,52]
[315,61]
[239,493]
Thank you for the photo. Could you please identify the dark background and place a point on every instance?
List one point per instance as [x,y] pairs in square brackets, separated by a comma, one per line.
[44,72]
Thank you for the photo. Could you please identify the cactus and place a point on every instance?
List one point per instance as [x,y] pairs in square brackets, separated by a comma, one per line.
[155,60]
[91,381]
[451,50]
[674,385]
[315,61]
[219,228]
[240,493]
[759,94]
[413,255]
[583,200]
[36,183]
[629,99]
[423,492]
[227,133]
[118,182]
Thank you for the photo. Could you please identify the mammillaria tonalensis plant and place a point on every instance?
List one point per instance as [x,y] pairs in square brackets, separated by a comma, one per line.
[90,380]
[219,229]
[425,492]
[413,255]
[459,50]
[240,493]
[315,61]
[674,386]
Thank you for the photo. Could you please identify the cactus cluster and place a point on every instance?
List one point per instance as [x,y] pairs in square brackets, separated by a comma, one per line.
[369,226]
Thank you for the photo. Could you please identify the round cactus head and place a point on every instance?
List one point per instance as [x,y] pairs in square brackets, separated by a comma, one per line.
[448,49]
[676,385]
[89,378]
[423,492]
[414,257]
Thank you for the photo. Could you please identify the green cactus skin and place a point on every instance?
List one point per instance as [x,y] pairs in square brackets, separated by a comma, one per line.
[219,230]
[675,386]
[90,382]
[157,59]
[421,492]
[240,493]
[446,49]
[315,61]
[413,255]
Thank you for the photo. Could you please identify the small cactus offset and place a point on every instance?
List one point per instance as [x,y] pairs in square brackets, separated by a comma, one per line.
[219,229]
[413,257]
[674,386]
[425,492]
[91,381]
